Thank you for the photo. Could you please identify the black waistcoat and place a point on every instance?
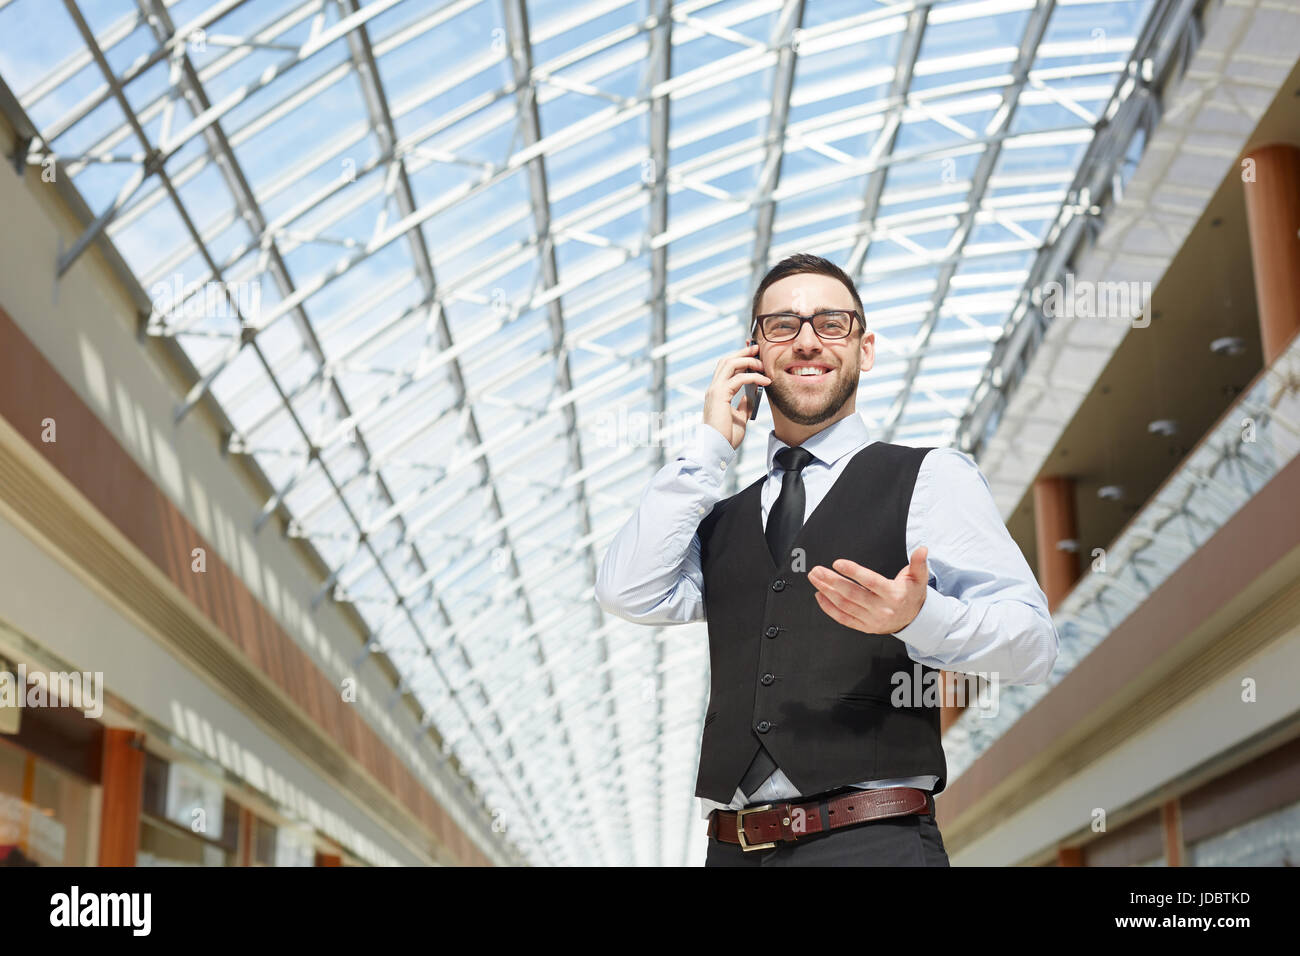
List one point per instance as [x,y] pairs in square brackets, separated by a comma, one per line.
[815,693]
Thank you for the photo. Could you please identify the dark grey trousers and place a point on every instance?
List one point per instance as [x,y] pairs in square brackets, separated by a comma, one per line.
[894,841]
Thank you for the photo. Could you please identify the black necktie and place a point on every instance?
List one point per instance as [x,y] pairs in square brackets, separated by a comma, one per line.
[783,524]
[786,519]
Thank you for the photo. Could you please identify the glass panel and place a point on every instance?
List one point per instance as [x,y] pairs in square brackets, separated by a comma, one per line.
[446,331]
[1269,840]
[50,826]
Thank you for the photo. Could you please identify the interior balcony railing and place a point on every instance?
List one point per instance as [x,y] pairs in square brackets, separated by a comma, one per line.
[1252,441]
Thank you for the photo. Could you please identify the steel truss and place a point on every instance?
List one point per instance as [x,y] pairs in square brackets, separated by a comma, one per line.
[379,460]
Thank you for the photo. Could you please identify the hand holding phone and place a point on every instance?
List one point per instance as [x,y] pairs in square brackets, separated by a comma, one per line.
[739,373]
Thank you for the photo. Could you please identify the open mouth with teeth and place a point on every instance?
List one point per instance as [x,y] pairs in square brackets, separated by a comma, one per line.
[808,371]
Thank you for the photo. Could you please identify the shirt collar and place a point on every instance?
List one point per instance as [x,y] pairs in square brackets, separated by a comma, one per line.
[828,445]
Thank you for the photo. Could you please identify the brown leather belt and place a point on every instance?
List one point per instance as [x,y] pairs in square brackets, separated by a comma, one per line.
[757,828]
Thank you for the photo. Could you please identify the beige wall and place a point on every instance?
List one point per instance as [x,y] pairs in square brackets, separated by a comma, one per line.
[84,324]
[1214,721]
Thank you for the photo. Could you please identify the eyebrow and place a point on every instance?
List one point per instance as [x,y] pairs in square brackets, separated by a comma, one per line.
[826,308]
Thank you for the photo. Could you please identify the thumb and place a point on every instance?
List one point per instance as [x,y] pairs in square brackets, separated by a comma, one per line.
[916,567]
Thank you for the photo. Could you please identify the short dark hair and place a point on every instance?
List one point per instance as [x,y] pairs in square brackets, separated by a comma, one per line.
[802,262]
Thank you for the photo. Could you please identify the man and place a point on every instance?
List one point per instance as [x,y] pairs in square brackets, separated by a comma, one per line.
[820,624]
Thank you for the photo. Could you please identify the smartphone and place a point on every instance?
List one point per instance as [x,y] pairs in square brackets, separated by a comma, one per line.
[753,392]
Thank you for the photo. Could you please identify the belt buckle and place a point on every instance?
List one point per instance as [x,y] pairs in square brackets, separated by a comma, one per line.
[740,829]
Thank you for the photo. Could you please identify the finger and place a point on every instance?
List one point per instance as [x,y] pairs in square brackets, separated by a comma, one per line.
[750,363]
[734,363]
[848,595]
[864,576]
[866,623]
[737,382]
[729,365]
[744,361]
[835,613]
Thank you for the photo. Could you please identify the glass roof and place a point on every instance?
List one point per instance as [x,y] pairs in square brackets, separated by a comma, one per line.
[458,273]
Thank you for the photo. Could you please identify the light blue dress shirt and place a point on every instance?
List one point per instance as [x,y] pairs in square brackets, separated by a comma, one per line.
[984,611]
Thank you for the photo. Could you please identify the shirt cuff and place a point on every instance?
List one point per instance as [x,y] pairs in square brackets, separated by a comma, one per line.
[932,623]
[709,448]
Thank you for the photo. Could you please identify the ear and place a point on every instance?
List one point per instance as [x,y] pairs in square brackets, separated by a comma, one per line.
[868,357]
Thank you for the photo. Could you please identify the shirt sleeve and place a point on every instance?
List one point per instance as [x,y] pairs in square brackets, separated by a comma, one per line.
[984,611]
[651,573]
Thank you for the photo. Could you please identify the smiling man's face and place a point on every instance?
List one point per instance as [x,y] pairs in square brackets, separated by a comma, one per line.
[808,400]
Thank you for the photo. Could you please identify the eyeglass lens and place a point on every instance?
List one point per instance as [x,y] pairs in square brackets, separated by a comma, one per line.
[828,325]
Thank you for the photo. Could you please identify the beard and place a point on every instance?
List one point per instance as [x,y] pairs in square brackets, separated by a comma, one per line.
[809,410]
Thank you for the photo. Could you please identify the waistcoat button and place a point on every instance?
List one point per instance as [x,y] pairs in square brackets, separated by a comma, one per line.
[778,584]
[772,631]
[767,679]
[763,727]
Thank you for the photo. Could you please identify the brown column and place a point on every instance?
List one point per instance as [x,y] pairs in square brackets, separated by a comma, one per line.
[246,833]
[1273,218]
[29,801]
[328,859]
[123,784]
[1053,522]
[1171,819]
[1069,856]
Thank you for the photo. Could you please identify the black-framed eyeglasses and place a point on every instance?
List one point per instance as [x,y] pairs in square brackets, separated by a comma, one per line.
[784,326]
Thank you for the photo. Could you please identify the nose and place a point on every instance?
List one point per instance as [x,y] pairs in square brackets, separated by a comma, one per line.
[807,340]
